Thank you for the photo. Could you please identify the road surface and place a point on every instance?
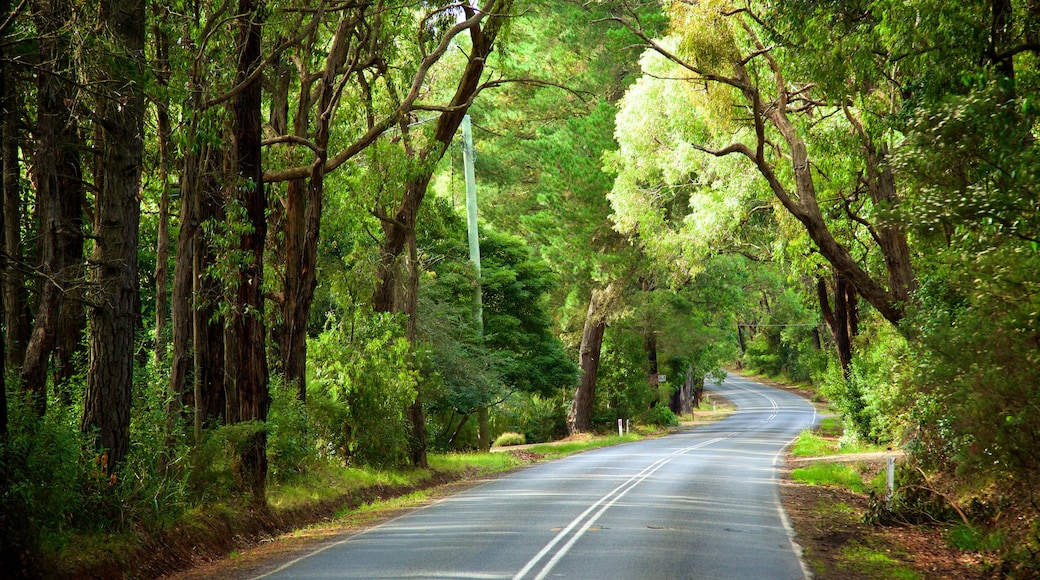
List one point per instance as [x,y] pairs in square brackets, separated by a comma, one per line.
[698,504]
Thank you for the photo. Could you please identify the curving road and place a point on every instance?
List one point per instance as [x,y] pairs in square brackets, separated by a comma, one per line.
[698,504]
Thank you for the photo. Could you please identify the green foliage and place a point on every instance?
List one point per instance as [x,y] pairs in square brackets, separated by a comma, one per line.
[659,416]
[45,464]
[974,539]
[880,564]
[509,438]
[869,399]
[539,419]
[363,381]
[290,435]
[623,389]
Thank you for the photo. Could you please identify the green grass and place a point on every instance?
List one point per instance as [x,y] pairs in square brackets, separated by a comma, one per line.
[830,474]
[864,559]
[812,444]
[556,450]
[972,539]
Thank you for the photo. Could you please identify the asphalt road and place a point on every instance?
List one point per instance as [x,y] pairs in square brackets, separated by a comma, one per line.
[698,504]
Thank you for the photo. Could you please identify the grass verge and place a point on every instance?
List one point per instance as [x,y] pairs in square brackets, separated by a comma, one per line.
[322,502]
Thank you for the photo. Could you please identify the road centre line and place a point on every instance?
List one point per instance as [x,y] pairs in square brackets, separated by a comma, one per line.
[604,503]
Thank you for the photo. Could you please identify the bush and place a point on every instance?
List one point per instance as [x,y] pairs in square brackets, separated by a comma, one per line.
[362,382]
[509,438]
[539,419]
[290,437]
[660,416]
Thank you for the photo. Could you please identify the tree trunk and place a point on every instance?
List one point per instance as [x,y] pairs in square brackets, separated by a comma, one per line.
[688,395]
[52,114]
[579,419]
[837,319]
[166,146]
[181,294]
[211,395]
[119,145]
[72,321]
[16,309]
[246,334]
[6,82]
[416,414]
[303,221]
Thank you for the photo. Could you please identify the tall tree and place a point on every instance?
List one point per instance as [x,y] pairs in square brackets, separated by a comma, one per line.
[484,25]
[246,355]
[58,190]
[117,214]
[719,50]
[17,320]
[579,418]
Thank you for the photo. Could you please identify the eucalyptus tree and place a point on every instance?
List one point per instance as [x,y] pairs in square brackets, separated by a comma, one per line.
[752,103]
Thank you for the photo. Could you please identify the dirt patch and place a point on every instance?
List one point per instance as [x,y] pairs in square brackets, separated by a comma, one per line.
[829,525]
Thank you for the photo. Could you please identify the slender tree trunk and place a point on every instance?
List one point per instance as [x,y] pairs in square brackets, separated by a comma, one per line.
[166,146]
[579,419]
[5,82]
[246,334]
[837,319]
[120,112]
[16,309]
[416,414]
[181,294]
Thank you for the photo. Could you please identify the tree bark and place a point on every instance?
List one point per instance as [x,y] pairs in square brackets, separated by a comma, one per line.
[211,394]
[120,112]
[51,113]
[246,334]
[6,83]
[181,293]
[17,320]
[579,418]
[166,146]
[303,220]
[837,319]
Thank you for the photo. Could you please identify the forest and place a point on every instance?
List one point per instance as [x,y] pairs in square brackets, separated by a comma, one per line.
[236,245]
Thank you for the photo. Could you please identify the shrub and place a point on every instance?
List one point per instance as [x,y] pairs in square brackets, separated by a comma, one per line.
[660,416]
[509,438]
[363,381]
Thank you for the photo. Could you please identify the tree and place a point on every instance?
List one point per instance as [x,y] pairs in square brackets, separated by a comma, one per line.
[719,51]
[399,223]
[246,356]
[119,142]
[59,194]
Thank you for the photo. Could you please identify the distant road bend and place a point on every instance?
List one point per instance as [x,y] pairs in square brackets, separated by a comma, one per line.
[703,503]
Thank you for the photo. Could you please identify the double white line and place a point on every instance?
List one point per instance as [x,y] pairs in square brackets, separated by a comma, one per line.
[581,524]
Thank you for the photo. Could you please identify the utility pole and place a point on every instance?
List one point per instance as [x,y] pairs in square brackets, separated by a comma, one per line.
[468,158]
